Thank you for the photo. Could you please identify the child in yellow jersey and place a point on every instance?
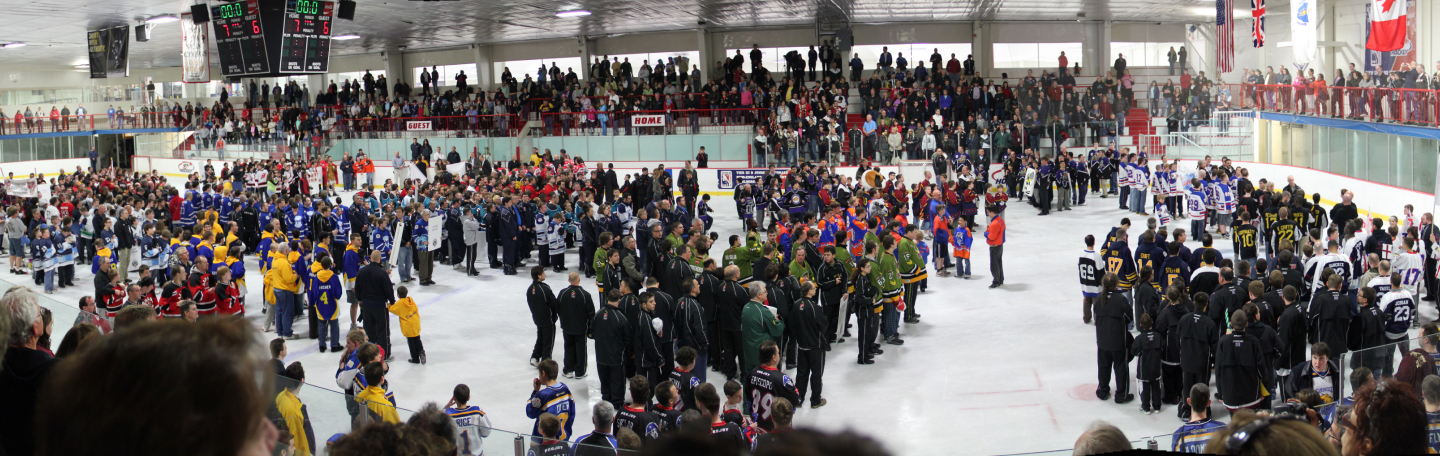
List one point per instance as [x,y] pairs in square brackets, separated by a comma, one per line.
[409,323]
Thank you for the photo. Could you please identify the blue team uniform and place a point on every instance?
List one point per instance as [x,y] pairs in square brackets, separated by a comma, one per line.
[554,400]
[1192,437]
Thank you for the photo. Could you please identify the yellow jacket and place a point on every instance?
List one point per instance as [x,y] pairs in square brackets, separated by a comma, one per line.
[281,276]
[297,421]
[409,316]
[380,408]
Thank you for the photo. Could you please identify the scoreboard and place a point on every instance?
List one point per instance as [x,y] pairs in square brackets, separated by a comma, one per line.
[240,38]
[305,40]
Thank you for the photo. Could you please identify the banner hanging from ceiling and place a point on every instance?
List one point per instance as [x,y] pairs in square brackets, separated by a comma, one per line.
[1303,17]
[1376,61]
[194,50]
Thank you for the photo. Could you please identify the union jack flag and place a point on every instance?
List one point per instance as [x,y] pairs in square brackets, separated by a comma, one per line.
[1225,27]
[1257,11]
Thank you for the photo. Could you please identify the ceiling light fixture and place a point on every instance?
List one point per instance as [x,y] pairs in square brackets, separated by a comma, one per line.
[13,45]
[162,19]
[573,13]
[349,36]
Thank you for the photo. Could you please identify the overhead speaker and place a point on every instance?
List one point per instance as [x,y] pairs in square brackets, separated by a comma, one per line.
[200,13]
[844,39]
[347,10]
[142,33]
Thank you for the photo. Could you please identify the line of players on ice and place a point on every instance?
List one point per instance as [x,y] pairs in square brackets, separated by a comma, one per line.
[1214,190]
[1313,281]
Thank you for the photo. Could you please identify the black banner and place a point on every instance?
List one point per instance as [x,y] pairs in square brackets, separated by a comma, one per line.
[97,40]
[117,53]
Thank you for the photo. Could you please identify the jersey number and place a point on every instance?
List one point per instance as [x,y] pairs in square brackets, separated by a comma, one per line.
[465,442]
[1087,272]
[762,404]
[1114,264]
[564,418]
[1412,276]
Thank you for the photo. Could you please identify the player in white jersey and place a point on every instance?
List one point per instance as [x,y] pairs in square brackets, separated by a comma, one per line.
[471,424]
[1332,260]
[1354,249]
[1381,281]
[1090,270]
[1399,310]
[1411,267]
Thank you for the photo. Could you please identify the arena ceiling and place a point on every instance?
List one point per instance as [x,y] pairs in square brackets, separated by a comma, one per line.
[54,30]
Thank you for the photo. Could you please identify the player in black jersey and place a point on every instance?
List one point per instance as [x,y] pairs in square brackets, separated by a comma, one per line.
[549,446]
[1246,237]
[783,413]
[635,416]
[665,410]
[766,384]
[684,380]
[727,435]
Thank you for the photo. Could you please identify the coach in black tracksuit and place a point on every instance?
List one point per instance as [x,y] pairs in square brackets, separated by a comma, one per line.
[577,309]
[543,311]
[1112,316]
[808,326]
[831,277]
[612,334]
[1239,367]
[730,302]
[492,236]
[1197,343]
[665,341]
[376,293]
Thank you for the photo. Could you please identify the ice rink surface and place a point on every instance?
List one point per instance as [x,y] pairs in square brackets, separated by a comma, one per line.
[986,371]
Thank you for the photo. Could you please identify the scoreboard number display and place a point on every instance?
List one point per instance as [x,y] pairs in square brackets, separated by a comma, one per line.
[240,38]
[305,45]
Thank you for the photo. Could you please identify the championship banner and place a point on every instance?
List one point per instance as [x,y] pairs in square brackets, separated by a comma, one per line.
[418,125]
[194,50]
[436,233]
[23,188]
[395,246]
[314,176]
[647,121]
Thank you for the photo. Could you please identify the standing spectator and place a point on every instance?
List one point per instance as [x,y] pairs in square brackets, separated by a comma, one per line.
[1388,418]
[602,441]
[1064,63]
[25,369]
[995,237]
[188,359]
[1420,362]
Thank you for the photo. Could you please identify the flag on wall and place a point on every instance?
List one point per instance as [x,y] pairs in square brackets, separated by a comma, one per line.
[1257,11]
[1387,25]
[1225,28]
[1303,18]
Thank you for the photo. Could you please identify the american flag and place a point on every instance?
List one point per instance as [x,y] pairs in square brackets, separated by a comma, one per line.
[1257,11]
[1225,27]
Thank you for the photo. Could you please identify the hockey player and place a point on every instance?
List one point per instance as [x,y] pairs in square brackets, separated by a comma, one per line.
[636,416]
[1090,274]
[1399,308]
[472,426]
[551,396]
[767,383]
[1119,261]
[1410,265]
[1195,203]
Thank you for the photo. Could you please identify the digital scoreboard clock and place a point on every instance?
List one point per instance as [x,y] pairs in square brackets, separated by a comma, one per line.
[240,38]
[305,39]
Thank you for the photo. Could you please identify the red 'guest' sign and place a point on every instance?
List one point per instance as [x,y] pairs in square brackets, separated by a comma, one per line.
[421,125]
[648,121]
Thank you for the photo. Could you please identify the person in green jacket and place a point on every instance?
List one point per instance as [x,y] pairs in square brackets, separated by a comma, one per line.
[912,270]
[676,236]
[602,253]
[886,275]
[799,269]
[741,256]
[758,324]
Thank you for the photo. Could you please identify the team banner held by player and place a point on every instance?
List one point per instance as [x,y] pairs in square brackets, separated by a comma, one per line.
[194,50]
[436,237]
[457,169]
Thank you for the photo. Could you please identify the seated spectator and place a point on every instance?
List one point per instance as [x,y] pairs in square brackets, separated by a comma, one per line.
[157,372]
[1101,438]
[24,370]
[431,418]
[133,315]
[1388,419]
[1271,436]
[77,338]
[387,438]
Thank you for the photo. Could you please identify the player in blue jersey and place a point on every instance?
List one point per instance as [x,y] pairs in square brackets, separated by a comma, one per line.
[1196,433]
[551,397]
[1430,389]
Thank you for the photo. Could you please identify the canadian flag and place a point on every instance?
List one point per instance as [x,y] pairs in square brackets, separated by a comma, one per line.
[1387,25]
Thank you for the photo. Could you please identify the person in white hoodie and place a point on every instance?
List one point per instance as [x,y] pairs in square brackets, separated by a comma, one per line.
[927,143]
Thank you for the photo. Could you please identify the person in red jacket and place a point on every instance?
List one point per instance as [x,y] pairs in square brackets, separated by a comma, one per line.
[175,204]
[995,237]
